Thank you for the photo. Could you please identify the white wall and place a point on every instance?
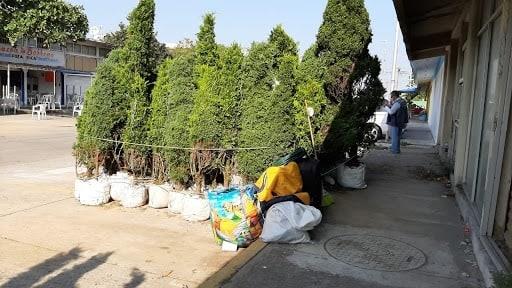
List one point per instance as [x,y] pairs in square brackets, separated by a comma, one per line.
[436,95]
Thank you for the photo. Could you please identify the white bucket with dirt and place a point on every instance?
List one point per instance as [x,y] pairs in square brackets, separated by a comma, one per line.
[175,203]
[92,192]
[352,177]
[195,208]
[159,195]
[135,196]
[119,184]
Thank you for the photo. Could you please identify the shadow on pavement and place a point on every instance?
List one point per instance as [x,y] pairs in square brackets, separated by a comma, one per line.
[67,277]
[35,273]
[137,278]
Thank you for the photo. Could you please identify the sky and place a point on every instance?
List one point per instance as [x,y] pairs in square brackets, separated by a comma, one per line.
[247,21]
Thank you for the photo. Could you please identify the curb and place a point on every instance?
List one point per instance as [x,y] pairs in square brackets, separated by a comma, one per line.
[233,266]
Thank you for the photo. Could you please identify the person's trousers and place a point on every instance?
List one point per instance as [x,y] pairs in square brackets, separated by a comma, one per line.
[396,133]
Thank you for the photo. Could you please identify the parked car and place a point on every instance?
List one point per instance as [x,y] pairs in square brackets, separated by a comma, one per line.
[380,128]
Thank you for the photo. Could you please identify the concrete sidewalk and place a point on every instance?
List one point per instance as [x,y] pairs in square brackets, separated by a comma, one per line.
[47,239]
[402,231]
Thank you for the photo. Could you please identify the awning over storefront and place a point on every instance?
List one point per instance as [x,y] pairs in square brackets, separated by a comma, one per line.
[409,90]
[427,25]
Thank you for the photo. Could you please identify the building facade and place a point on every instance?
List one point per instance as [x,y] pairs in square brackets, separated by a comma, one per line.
[461,51]
[28,70]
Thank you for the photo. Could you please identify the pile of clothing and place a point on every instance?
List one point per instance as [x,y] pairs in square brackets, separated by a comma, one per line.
[289,197]
[282,206]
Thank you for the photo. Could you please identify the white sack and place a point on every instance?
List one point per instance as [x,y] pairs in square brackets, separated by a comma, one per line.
[80,185]
[195,208]
[135,196]
[176,200]
[352,177]
[288,222]
[93,192]
[119,184]
[158,195]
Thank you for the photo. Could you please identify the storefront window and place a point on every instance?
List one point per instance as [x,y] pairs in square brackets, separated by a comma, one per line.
[103,52]
[40,43]
[77,48]
[56,47]
[32,43]
[89,50]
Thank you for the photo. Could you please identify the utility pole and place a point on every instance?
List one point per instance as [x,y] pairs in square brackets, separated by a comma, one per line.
[395,54]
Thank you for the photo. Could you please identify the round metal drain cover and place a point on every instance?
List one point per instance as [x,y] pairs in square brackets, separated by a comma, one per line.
[375,252]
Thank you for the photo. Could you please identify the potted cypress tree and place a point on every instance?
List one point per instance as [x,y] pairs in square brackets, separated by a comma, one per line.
[351,81]
[268,88]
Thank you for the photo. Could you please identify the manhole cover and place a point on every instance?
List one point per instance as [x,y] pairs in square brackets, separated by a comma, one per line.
[375,252]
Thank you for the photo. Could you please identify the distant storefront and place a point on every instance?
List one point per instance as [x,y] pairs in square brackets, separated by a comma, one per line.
[29,71]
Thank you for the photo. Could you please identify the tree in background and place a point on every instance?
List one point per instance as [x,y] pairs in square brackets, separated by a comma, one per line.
[281,44]
[206,48]
[310,90]
[342,37]
[116,104]
[214,121]
[175,90]
[349,129]
[54,21]
[257,83]
[351,78]
[117,39]
[269,85]
[183,47]
[140,40]
[229,84]
[140,51]
[160,106]
[204,130]
[104,115]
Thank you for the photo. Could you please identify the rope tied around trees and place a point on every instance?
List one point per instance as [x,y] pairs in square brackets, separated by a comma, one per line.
[181,148]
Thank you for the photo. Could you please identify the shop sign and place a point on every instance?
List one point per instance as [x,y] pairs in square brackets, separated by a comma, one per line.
[32,56]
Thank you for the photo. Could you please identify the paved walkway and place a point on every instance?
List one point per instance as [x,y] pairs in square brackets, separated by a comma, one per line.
[47,239]
[402,231]
[418,133]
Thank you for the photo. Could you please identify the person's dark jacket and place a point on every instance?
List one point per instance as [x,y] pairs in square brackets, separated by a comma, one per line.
[401,117]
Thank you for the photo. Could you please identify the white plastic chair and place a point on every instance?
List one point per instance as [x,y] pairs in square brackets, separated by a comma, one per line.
[78,110]
[40,110]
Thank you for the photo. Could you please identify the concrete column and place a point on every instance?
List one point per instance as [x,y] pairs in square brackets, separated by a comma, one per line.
[25,90]
[446,121]
[8,80]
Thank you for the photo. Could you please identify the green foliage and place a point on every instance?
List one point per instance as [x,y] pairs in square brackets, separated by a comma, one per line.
[350,77]
[229,90]
[281,44]
[502,280]
[171,107]
[216,107]
[343,35]
[117,103]
[311,89]
[55,21]
[184,46]
[139,40]
[349,129]
[104,112]
[206,48]
[117,39]
[214,121]
[136,129]
[267,108]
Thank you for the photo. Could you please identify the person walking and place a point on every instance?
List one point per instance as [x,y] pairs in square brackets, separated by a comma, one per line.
[398,117]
